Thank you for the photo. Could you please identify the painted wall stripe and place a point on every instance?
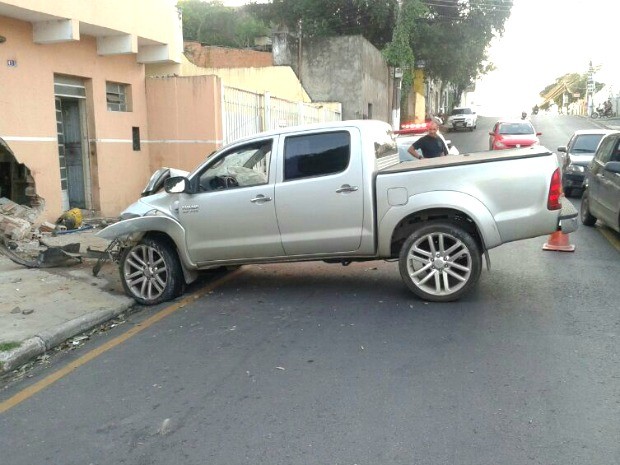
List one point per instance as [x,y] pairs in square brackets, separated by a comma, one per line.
[160,141]
[113,141]
[28,139]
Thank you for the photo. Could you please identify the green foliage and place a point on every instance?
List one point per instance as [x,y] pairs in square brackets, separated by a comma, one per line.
[7,346]
[398,52]
[570,84]
[212,23]
[453,37]
[374,19]
[450,36]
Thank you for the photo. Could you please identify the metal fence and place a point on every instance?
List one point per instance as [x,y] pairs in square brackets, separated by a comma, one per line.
[245,113]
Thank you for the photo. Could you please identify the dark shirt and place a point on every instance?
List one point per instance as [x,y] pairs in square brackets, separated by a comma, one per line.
[430,146]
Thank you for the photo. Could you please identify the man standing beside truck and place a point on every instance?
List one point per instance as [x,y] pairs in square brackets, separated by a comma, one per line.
[429,146]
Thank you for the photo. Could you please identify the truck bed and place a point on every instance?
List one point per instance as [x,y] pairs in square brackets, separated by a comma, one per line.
[468,158]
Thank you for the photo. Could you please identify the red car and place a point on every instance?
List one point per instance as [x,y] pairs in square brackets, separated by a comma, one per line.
[512,135]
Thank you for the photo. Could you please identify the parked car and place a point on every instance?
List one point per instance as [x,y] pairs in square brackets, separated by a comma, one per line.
[576,157]
[337,192]
[601,198]
[462,118]
[511,134]
[404,141]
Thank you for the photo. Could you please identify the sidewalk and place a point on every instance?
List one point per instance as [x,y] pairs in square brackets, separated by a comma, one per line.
[40,308]
[607,123]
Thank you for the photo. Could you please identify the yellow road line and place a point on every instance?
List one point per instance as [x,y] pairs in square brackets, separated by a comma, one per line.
[611,236]
[51,379]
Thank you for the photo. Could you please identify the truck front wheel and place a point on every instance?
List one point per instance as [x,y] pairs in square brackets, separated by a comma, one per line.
[150,271]
[440,261]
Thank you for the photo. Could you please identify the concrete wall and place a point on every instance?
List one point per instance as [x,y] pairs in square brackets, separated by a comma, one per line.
[184,120]
[348,70]
[377,83]
[28,116]
[224,57]
[280,81]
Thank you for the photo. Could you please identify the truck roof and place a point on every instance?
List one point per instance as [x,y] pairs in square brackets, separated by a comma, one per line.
[358,123]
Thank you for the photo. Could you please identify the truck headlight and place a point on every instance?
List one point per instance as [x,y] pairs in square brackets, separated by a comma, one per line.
[575,169]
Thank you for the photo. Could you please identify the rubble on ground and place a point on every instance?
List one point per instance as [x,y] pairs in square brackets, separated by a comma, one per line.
[26,241]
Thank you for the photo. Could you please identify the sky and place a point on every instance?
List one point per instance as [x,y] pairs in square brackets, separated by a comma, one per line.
[543,40]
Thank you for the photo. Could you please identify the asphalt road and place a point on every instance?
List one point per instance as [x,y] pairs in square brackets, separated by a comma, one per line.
[323,364]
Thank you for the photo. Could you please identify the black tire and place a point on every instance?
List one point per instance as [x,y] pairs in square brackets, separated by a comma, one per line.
[568,192]
[587,218]
[151,272]
[428,255]
[594,115]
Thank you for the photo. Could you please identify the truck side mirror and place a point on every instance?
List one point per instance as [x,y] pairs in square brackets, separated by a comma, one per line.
[612,167]
[562,148]
[176,185]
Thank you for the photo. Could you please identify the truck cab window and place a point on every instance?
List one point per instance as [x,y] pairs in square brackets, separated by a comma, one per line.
[243,166]
[316,155]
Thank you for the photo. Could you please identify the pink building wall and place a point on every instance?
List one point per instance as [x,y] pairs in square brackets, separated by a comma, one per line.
[28,118]
[185,123]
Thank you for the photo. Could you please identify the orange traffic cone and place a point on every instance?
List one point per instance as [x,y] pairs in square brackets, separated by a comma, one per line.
[558,241]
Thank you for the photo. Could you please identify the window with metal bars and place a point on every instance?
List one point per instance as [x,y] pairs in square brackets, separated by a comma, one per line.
[116,96]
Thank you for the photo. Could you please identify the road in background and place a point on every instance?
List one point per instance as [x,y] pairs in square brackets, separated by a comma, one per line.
[556,130]
[315,363]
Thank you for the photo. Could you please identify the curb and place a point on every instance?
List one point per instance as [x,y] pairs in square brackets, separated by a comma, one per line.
[48,339]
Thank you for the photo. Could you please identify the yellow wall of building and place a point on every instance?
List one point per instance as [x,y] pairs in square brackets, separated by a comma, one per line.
[279,81]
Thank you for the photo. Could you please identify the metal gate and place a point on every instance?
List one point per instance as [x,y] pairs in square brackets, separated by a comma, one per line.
[245,113]
[70,96]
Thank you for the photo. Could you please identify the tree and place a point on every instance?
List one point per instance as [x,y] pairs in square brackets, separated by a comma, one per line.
[571,85]
[212,23]
[374,19]
[398,52]
[450,36]
[453,37]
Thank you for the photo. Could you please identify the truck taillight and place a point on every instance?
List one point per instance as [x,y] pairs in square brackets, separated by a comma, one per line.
[555,191]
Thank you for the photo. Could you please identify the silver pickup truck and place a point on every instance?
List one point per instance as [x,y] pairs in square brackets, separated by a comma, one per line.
[338,192]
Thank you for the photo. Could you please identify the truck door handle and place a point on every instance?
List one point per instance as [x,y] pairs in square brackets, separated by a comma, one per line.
[260,198]
[346,188]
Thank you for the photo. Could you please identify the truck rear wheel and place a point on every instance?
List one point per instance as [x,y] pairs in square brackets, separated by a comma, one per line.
[150,271]
[440,261]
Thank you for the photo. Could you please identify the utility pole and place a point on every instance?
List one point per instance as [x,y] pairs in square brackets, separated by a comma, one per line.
[590,88]
[299,56]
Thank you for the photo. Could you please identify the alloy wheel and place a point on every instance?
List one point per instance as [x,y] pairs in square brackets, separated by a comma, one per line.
[145,272]
[439,264]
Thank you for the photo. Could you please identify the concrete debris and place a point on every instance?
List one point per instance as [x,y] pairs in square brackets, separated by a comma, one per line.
[16,229]
[14,210]
[23,240]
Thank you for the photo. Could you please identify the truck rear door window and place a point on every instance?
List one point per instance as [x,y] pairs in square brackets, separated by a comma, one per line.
[316,154]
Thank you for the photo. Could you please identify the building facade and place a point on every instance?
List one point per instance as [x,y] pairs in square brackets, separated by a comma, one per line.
[73,98]
[92,101]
